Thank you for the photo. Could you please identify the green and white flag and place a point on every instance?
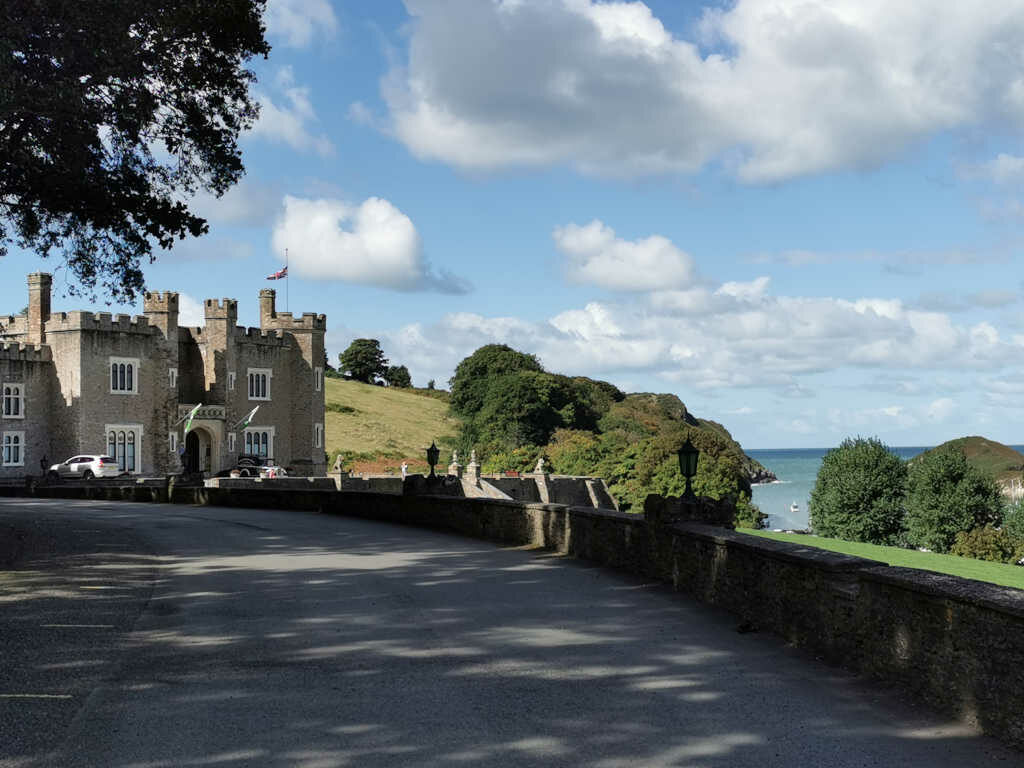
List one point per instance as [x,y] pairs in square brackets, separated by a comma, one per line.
[191,415]
[247,420]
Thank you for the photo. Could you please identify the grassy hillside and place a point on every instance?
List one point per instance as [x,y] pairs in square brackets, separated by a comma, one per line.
[995,573]
[1000,461]
[375,428]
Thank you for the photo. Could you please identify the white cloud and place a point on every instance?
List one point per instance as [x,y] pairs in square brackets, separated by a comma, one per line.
[248,202]
[372,243]
[289,118]
[297,22]
[772,88]
[597,256]
[190,312]
[1006,169]
[940,410]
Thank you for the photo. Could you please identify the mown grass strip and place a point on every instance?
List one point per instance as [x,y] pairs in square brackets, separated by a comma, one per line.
[980,570]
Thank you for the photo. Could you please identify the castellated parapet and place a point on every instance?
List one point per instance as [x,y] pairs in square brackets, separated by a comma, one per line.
[98,321]
[39,353]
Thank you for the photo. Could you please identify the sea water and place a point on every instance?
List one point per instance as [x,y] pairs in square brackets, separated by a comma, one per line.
[797,469]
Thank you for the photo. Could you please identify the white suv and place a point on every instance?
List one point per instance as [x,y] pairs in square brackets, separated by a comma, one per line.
[86,467]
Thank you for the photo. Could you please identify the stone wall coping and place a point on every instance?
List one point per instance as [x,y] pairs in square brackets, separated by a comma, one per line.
[780,550]
[1006,600]
[633,518]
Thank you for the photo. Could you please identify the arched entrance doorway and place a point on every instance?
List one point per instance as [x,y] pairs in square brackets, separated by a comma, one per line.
[198,449]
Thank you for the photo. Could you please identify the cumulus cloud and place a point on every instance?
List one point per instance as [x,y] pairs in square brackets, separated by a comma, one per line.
[191,313]
[372,243]
[596,256]
[772,90]
[296,22]
[288,118]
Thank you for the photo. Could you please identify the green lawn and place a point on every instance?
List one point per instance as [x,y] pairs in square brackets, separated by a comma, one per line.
[981,570]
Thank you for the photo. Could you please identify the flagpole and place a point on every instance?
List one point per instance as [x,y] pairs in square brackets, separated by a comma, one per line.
[286,282]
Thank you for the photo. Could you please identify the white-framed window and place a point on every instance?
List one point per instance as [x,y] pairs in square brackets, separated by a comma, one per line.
[260,441]
[13,401]
[172,378]
[124,443]
[231,442]
[318,435]
[124,375]
[231,381]
[13,449]
[259,383]
[172,441]
[318,379]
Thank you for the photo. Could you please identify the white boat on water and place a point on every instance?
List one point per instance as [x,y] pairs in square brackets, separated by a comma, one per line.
[794,508]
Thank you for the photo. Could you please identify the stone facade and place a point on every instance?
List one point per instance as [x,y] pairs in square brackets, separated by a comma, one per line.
[92,383]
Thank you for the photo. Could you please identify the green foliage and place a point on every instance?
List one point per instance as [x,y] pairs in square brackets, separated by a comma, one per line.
[1013,519]
[945,495]
[858,494]
[430,384]
[474,374]
[363,360]
[987,543]
[398,376]
[520,459]
[113,113]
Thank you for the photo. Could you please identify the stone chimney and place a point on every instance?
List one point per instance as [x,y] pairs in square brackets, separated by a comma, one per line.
[268,312]
[39,284]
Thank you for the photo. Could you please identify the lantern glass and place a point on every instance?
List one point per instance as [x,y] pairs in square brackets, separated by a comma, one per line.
[688,456]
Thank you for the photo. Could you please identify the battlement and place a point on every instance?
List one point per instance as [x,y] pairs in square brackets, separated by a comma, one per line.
[157,301]
[98,321]
[221,309]
[285,321]
[259,336]
[39,353]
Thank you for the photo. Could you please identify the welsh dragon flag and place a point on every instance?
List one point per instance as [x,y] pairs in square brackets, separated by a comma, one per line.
[191,415]
[245,422]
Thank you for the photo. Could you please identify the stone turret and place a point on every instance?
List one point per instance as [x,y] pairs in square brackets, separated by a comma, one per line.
[39,284]
[162,311]
[219,358]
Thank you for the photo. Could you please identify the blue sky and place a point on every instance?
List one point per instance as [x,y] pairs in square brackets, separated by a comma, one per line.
[803,218]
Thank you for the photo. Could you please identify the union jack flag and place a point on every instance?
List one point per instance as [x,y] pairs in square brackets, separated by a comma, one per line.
[279,274]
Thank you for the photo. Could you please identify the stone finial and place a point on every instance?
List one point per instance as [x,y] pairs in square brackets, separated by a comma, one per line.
[472,456]
[539,469]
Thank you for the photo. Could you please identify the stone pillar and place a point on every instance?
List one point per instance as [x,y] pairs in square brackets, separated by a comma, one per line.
[39,284]
[455,468]
[473,470]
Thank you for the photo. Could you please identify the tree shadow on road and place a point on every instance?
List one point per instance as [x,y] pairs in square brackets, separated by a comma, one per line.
[275,638]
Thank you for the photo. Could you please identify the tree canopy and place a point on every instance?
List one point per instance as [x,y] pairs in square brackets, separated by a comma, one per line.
[363,360]
[111,114]
[398,376]
[945,496]
[859,493]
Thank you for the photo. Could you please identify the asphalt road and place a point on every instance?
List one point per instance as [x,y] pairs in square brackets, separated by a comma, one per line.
[154,635]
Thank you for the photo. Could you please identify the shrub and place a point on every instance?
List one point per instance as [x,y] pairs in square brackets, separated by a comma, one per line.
[986,543]
[946,496]
[858,494]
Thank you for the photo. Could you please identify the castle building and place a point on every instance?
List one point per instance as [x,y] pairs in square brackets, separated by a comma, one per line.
[91,383]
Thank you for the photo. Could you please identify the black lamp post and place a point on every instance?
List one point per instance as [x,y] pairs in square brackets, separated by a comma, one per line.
[688,456]
[433,453]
